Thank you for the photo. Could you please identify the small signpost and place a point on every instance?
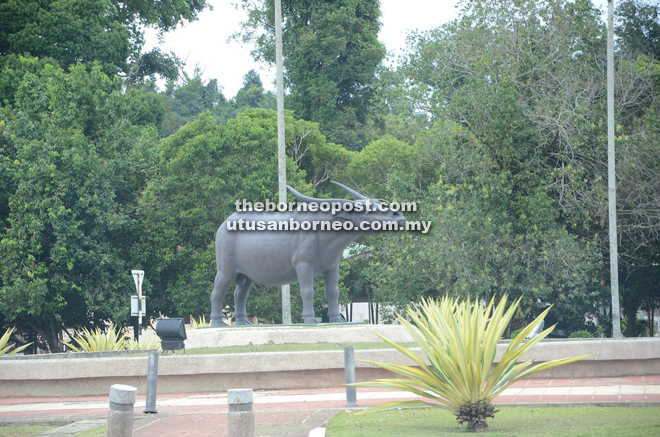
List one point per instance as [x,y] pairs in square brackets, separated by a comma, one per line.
[138,304]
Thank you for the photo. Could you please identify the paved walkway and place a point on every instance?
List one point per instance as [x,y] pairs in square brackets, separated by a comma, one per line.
[294,413]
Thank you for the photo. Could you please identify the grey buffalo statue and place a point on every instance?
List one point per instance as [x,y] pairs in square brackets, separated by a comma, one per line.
[277,257]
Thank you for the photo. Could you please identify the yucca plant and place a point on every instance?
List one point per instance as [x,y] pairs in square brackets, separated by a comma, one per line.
[459,339]
[97,341]
[7,350]
[199,322]
[145,343]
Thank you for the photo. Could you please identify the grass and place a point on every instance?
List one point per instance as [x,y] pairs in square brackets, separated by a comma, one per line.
[510,421]
[289,347]
[94,432]
[23,430]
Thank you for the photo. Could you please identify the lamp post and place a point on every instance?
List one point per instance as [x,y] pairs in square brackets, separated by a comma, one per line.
[611,175]
[281,153]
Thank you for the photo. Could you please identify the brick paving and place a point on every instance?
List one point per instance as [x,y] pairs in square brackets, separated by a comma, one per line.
[293,413]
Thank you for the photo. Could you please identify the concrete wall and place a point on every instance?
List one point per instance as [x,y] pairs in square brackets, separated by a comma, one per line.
[285,370]
[265,334]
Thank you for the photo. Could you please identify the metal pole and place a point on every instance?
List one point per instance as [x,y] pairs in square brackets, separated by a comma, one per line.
[281,153]
[349,371]
[611,175]
[152,383]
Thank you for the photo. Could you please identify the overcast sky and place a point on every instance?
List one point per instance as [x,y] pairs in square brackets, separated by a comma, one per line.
[204,42]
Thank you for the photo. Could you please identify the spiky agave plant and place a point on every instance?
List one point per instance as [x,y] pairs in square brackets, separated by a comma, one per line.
[9,349]
[145,343]
[98,341]
[459,339]
[200,322]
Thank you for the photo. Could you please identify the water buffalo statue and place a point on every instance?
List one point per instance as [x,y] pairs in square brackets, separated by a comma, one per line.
[252,246]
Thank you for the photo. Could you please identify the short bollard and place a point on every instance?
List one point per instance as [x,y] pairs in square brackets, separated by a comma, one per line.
[240,416]
[120,415]
[349,371]
[152,383]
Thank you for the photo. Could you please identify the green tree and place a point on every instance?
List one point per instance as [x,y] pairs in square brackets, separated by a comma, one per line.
[489,237]
[146,67]
[76,165]
[186,101]
[374,166]
[86,31]
[638,186]
[641,285]
[638,27]
[331,54]
[252,94]
[512,90]
[205,168]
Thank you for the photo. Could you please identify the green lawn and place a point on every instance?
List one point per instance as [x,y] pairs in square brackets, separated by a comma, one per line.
[95,432]
[510,421]
[289,347]
[23,430]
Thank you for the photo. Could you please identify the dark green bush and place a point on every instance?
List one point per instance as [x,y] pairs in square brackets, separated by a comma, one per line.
[581,334]
[516,332]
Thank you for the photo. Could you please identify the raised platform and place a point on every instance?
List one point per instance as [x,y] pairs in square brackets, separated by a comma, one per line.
[341,333]
[291,370]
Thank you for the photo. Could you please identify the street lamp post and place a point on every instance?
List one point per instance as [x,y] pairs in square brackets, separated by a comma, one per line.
[281,153]
[611,175]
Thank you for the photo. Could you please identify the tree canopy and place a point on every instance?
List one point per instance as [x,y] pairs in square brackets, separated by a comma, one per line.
[86,31]
[331,55]
[493,123]
[75,165]
[205,168]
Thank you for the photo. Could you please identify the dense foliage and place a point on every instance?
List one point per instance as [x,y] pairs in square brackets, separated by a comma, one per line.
[518,197]
[331,55]
[74,166]
[494,124]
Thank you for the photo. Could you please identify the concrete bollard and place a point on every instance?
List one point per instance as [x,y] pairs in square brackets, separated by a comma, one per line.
[241,415]
[349,372]
[120,415]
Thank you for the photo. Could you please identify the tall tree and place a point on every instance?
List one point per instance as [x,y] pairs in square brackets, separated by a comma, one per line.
[76,164]
[205,167]
[331,53]
[85,31]
[486,238]
[638,26]
[185,101]
[511,89]
[252,94]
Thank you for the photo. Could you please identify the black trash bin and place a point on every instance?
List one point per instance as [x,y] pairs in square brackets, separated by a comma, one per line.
[172,333]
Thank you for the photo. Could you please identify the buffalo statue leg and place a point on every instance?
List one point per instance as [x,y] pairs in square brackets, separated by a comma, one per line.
[240,301]
[305,274]
[331,279]
[220,287]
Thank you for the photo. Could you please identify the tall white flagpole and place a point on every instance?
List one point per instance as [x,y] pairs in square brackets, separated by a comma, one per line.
[281,153]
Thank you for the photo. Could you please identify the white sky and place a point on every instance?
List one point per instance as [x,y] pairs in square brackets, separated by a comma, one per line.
[204,42]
